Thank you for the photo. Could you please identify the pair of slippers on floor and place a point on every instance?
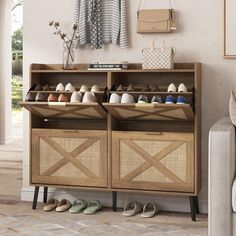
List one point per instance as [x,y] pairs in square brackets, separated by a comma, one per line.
[132,208]
[89,208]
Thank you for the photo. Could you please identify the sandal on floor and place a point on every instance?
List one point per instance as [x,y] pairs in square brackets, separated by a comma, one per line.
[63,205]
[131,209]
[50,205]
[149,210]
[92,207]
[78,206]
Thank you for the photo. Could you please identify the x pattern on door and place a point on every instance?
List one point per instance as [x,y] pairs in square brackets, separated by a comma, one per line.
[77,111]
[69,157]
[153,161]
[179,113]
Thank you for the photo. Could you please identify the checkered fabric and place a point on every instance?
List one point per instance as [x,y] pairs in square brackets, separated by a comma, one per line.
[158,58]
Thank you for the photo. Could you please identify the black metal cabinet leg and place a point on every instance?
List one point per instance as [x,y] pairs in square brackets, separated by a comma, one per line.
[192,207]
[45,194]
[196,204]
[114,201]
[36,193]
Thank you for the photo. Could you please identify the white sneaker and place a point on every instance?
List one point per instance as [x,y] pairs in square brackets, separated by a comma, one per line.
[89,97]
[95,88]
[115,98]
[171,88]
[127,98]
[76,97]
[69,88]
[182,88]
[84,89]
[60,87]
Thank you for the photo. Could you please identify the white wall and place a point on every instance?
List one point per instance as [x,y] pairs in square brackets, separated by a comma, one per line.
[199,38]
[5,71]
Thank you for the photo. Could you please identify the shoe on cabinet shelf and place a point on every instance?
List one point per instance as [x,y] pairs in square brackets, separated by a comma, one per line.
[69,88]
[76,97]
[182,88]
[38,87]
[145,88]
[143,99]
[127,99]
[63,98]
[95,88]
[30,97]
[156,99]
[46,87]
[84,88]
[130,88]
[89,97]
[171,88]
[115,98]
[120,88]
[154,88]
[40,97]
[52,98]
[60,88]
[170,100]
[181,100]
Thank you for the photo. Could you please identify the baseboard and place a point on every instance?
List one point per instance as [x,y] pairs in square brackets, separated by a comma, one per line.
[179,204]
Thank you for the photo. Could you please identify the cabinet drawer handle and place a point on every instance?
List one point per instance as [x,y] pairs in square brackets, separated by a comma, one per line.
[70,131]
[158,133]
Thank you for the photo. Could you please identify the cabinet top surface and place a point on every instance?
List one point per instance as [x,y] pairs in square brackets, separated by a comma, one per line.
[83,68]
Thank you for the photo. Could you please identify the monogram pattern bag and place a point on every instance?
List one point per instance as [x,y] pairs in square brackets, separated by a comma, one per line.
[158,57]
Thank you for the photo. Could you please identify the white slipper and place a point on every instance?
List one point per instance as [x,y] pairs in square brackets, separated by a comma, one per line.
[131,209]
[149,210]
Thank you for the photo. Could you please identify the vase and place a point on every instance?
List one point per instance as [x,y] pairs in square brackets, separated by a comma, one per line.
[68,55]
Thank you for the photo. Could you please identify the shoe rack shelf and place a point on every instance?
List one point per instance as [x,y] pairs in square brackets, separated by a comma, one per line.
[151,148]
[151,112]
[65,110]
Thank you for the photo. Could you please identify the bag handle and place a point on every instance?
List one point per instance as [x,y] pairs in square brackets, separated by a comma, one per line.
[140,3]
[153,43]
[163,45]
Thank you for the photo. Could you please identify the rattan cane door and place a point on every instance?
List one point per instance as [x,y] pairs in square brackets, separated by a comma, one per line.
[153,161]
[69,157]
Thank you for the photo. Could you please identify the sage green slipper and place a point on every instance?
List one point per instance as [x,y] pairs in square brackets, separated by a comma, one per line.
[92,207]
[78,206]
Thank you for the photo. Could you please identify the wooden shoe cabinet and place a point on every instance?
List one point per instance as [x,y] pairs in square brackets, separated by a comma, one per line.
[153,148]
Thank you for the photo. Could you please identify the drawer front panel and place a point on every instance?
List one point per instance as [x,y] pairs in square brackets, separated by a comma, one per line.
[153,161]
[64,157]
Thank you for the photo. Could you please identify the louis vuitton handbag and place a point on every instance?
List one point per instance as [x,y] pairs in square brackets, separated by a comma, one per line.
[158,57]
[155,20]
